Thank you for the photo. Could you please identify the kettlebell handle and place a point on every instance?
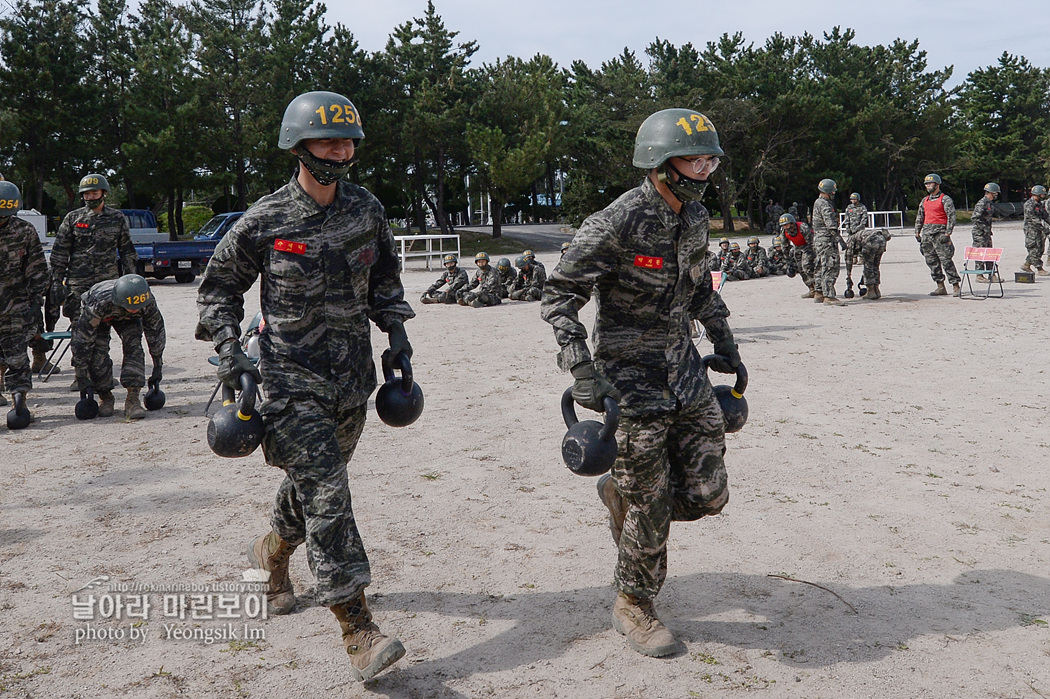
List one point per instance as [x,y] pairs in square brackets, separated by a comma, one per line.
[399,362]
[741,373]
[612,414]
[152,384]
[249,393]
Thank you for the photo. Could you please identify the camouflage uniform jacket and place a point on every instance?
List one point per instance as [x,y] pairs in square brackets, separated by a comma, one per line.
[648,269]
[326,271]
[1036,218]
[99,308]
[982,217]
[485,281]
[776,256]
[949,211]
[87,246]
[23,272]
[456,280]
[534,277]
[506,282]
[756,257]
[856,218]
[825,220]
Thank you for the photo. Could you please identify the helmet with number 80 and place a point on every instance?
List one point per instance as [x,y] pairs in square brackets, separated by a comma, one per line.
[131,292]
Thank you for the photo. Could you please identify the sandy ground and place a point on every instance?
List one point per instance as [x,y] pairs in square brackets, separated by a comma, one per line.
[896,454]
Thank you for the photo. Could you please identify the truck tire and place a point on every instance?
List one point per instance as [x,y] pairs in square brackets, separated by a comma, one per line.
[185,277]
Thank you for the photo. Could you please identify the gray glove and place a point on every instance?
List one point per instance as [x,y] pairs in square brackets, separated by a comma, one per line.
[399,340]
[233,362]
[591,388]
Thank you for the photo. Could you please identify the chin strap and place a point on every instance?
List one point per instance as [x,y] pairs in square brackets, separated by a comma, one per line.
[686,189]
[324,171]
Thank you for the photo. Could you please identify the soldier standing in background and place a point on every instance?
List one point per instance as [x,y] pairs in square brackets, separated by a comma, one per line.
[23,283]
[93,244]
[1036,223]
[127,306]
[826,241]
[454,277]
[328,265]
[645,257]
[934,223]
[982,227]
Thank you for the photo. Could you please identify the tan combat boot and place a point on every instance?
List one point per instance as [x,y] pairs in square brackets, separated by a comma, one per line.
[1026,267]
[42,366]
[636,619]
[873,293]
[612,499]
[832,301]
[370,651]
[940,290]
[996,279]
[271,553]
[956,289]
[133,409]
[1041,272]
[809,294]
[983,279]
[818,297]
[105,403]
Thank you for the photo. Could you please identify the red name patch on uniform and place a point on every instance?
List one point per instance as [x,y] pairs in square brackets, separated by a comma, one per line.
[289,246]
[648,262]
[83,225]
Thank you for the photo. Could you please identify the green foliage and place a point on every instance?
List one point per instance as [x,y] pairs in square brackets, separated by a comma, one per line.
[193,217]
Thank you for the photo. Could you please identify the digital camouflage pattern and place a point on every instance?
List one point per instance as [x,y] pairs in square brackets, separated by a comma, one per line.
[935,241]
[91,335]
[869,245]
[506,282]
[23,282]
[648,269]
[757,260]
[1036,223]
[856,218]
[805,260]
[982,228]
[455,278]
[528,285]
[326,272]
[484,288]
[90,247]
[827,263]
[736,266]
[778,259]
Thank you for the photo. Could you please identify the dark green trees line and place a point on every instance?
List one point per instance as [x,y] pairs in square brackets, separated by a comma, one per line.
[183,101]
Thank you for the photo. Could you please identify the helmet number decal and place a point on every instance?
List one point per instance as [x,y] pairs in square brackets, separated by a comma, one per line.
[88,180]
[138,299]
[341,114]
[700,124]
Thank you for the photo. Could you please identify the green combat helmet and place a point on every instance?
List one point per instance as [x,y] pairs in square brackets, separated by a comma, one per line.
[131,292]
[723,240]
[827,186]
[855,197]
[481,256]
[753,240]
[677,133]
[565,246]
[786,220]
[503,265]
[528,255]
[1039,191]
[992,187]
[92,182]
[519,262]
[10,199]
[320,115]
[932,177]
[450,259]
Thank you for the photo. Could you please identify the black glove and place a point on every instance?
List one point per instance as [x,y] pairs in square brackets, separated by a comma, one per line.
[57,293]
[727,349]
[591,388]
[157,364]
[398,340]
[232,363]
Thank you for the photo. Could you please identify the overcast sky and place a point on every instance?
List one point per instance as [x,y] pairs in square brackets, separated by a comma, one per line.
[965,33]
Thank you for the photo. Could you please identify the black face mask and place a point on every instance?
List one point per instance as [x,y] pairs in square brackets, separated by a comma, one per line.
[686,189]
[324,171]
[4,220]
[94,203]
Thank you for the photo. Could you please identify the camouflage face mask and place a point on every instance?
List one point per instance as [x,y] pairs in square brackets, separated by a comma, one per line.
[94,203]
[324,171]
[686,189]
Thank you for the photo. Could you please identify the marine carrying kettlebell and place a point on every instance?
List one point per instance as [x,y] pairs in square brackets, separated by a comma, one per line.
[731,398]
[236,429]
[18,417]
[399,401]
[87,407]
[589,447]
[154,398]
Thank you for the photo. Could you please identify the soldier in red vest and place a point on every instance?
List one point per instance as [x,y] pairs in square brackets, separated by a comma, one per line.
[934,222]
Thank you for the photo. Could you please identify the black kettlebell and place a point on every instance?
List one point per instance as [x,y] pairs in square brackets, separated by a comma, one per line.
[399,402]
[236,429]
[862,290]
[848,293]
[87,406]
[155,397]
[589,447]
[731,398]
[18,417]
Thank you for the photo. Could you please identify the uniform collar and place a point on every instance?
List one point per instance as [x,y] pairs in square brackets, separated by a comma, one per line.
[668,217]
[342,201]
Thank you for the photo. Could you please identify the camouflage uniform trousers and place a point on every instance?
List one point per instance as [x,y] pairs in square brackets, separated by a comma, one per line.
[805,263]
[984,240]
[530,293]
[71,306]
[440,297]
[937,249]
[18,378]
[828,263]
[1034,242]
[477,299]
[871,249]
[97,366]
[312,442]
[669,468]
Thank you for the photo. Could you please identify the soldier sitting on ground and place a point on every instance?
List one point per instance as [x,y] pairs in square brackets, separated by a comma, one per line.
[506,277]
[756,257]
[778,259]
[455,277]
[127,306]
[737,267]
[483,290]
[528,286]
